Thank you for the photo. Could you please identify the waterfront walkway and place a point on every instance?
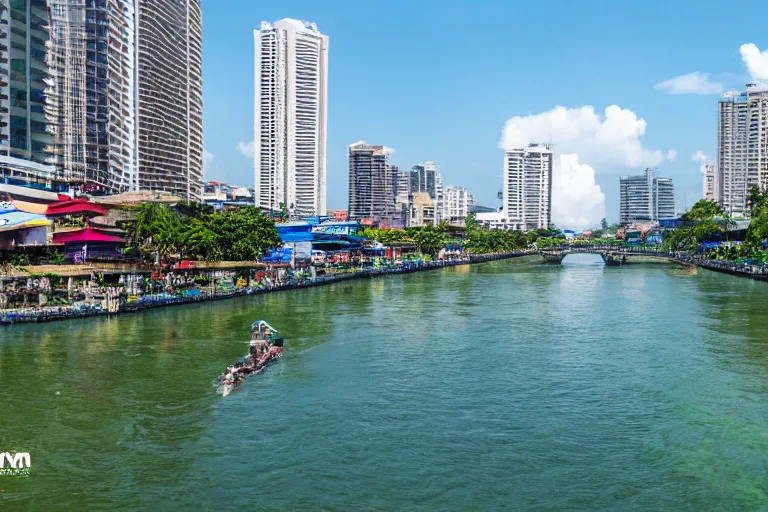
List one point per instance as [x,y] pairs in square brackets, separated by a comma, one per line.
[114,306]
[758,272]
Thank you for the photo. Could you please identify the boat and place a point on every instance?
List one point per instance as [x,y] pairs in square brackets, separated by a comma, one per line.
[265,347]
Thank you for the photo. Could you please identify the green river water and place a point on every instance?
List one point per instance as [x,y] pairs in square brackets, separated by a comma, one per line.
[504,386]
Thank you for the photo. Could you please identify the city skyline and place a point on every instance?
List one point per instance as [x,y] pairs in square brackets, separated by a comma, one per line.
[456,119]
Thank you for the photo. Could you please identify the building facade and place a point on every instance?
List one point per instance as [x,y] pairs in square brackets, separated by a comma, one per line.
[457,204]
[645,198]
[742,147]
[92,96]
[372,183]
[26,137]
[709,178]
[425,177]
[663,199]
[291,113]
[169,63]
[527,188]
[732,153]
[423,211]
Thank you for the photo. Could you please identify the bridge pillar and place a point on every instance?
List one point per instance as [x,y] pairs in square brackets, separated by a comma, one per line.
[614,259]
[553,258]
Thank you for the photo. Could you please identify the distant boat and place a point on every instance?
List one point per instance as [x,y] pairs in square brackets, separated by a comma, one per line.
[265,347]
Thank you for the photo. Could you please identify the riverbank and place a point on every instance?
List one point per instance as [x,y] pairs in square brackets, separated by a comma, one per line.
[111,304]
[756,272]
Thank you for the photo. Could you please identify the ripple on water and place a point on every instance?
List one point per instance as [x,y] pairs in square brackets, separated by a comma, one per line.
[510,386]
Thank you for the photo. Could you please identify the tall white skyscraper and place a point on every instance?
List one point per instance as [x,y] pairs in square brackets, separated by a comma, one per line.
[742,147]
[527,192]
[291,117]
[732,152]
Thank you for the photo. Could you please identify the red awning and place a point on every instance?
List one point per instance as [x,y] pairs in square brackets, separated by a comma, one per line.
[84,236]
[75,207]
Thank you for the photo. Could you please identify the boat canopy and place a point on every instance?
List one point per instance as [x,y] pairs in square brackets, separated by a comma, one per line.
[262,326]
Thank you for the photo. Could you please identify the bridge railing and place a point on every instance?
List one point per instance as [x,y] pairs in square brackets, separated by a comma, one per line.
[612,249]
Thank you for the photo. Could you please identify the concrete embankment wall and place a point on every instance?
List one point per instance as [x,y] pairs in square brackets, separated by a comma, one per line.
[112,305]
[756,272]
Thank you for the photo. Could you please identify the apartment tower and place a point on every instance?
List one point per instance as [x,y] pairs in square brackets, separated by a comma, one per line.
[457,204]
[426,177]
[125,99]
[527,190]
[25,134]
[169,99]
[291,113]
[732,176]
[371,183]
[645,198]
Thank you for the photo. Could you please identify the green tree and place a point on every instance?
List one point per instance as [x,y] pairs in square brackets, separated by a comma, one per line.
[703,210]
[471,222]
[245,234]
[386,236]
[201,242]
[604,224]
[429,240]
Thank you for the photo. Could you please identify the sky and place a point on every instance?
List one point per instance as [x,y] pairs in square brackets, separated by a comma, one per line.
[615,86]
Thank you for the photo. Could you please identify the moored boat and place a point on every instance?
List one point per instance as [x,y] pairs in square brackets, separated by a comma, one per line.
[265,347]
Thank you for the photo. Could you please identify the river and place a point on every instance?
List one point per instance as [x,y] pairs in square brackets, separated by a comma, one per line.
[504,386]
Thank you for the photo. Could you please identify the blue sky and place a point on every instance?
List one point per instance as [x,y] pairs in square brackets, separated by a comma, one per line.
[438,80]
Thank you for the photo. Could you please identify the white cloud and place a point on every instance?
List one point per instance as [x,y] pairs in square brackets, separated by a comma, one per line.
[671,155]
[612,139]
[699,156]
[755,60]
[691,83]
[577,200]
[207,160]
[585,142]
[246,149]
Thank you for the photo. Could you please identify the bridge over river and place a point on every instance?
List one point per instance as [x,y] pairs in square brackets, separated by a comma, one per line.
[611,255]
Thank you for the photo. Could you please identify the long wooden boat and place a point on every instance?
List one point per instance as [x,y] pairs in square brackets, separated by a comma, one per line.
[265,347]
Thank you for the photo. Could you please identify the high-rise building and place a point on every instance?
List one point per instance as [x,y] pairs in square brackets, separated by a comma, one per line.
[709,176]
[403,198]
[457,204]
[663,199]
[635,198]
[25,129]
[92,96]
[732,153]
[372,183]
[742,147]
[169,82]
[291,112]
[125,98]
[757,135]
[425,177]
[644,198]
[527,191]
